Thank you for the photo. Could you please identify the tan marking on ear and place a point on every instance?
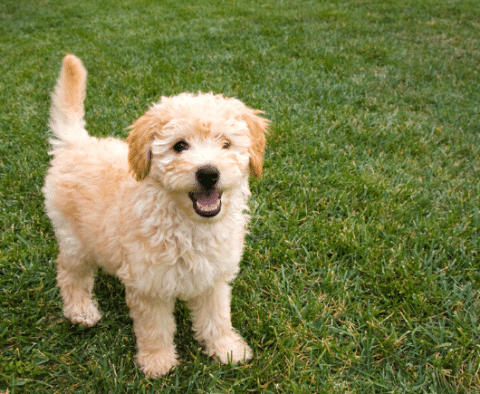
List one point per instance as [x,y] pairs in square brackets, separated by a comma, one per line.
[140,144]
[258,127]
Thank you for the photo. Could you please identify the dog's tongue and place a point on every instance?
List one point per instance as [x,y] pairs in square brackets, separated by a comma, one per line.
[206,198]
[207,201]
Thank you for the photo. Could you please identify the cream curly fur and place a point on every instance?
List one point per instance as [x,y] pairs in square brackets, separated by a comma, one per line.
[164,211]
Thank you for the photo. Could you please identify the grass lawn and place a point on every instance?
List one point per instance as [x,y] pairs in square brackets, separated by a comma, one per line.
[361,272]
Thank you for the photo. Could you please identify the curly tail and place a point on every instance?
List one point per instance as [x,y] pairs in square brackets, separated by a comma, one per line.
[66,114]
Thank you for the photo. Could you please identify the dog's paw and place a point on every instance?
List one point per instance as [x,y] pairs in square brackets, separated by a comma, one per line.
[85,314]
[156,364]
[230,348]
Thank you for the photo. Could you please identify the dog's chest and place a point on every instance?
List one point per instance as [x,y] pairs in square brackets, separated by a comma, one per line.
[186,263]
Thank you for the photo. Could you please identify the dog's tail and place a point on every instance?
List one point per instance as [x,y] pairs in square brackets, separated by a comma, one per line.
[66,115]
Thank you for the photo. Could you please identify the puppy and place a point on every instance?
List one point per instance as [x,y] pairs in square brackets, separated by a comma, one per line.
[165,211]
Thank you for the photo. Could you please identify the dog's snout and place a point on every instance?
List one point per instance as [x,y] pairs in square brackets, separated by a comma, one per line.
[207,176]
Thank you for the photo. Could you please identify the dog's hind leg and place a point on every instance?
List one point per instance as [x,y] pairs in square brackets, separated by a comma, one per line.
[75,277]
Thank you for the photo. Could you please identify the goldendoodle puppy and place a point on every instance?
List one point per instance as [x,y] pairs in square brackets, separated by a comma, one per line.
[165,211]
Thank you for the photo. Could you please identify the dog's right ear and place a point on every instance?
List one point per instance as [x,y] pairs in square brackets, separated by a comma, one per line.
[140,144]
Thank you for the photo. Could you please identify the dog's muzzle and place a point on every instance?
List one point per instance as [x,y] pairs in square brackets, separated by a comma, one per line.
[207,200]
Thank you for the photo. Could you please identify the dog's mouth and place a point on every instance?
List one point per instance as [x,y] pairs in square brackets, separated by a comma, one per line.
[206,203]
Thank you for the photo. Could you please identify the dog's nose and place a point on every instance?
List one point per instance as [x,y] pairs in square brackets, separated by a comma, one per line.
[207,176]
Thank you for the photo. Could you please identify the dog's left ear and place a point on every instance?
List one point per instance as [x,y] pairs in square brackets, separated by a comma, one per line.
[140,144]
[257,127]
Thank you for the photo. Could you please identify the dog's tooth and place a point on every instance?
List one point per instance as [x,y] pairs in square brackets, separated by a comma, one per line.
[209,208]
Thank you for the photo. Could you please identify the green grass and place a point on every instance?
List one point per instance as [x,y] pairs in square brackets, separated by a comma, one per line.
[361,273]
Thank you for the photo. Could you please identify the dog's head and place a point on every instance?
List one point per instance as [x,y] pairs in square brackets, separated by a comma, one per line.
[199,147]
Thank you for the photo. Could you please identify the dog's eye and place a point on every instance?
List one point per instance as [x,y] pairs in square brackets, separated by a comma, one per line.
[226,145]
[180,146]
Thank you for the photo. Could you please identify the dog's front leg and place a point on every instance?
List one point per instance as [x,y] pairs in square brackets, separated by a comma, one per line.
[154,327]
[213,326]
